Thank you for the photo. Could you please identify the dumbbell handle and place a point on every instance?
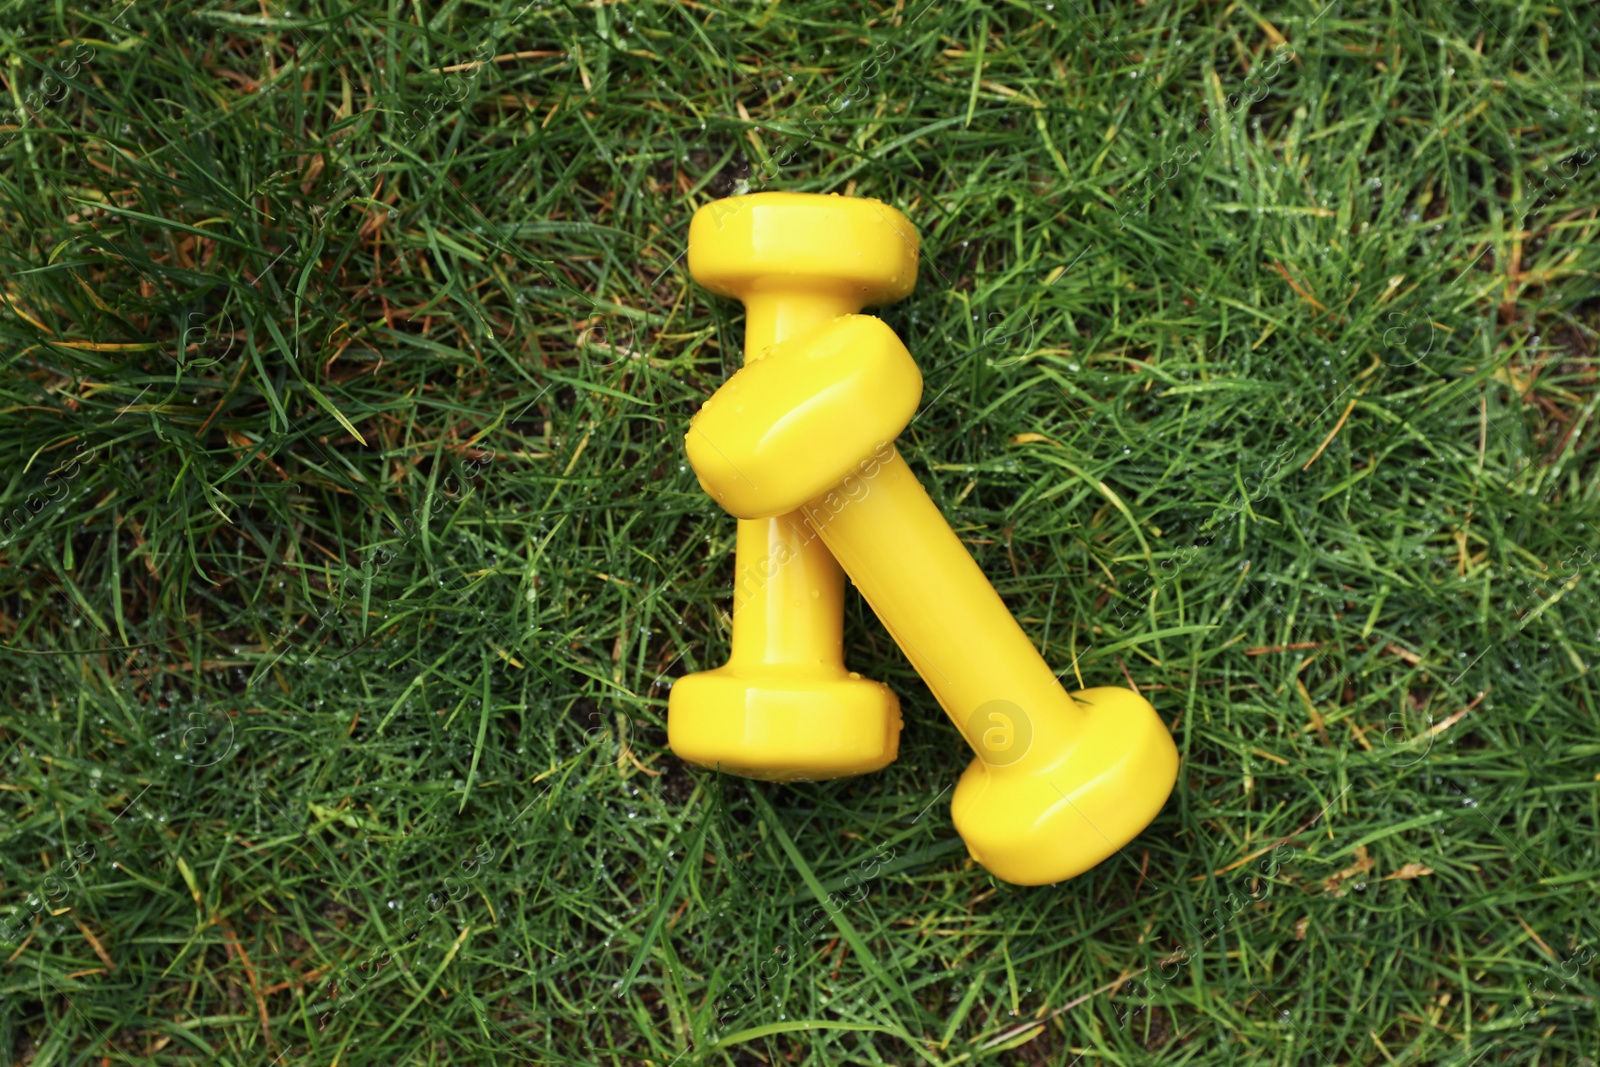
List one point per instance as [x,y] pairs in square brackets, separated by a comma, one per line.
[788,600]
[924,585]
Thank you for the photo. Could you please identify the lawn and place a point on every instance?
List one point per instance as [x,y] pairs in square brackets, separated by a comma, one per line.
[349,550]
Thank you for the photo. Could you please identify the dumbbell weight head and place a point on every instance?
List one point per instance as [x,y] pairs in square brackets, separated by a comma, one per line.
[853,251]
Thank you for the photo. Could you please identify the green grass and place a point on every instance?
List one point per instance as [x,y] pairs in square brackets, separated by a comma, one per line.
[349,545]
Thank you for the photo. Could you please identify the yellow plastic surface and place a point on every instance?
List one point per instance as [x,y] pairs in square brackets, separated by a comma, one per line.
[784,707]
[1060,784]
[845,392]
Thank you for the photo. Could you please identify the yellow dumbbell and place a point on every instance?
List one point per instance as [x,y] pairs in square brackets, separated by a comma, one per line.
[784,707]
[1061,782]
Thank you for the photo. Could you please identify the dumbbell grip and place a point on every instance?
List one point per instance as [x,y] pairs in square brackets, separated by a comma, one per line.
[933,598]
[788,594]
